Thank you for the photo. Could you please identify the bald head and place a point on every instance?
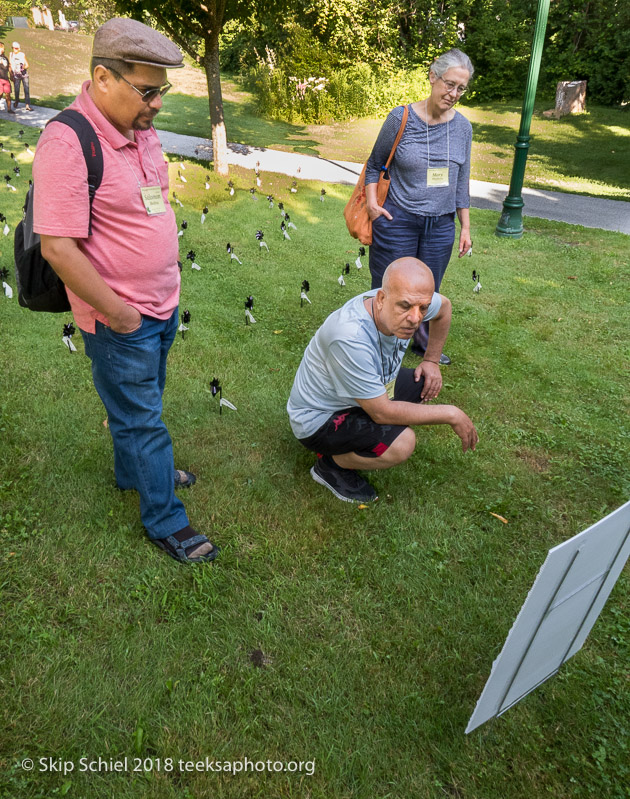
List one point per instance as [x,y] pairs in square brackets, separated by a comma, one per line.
[408,274]
[404,298]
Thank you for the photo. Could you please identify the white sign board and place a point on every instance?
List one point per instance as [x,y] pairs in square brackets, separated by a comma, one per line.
[567,596]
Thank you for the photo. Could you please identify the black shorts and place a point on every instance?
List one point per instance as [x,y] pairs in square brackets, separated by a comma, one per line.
[353,430]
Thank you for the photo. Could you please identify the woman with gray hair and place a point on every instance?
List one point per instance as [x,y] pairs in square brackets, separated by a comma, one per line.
[429,180]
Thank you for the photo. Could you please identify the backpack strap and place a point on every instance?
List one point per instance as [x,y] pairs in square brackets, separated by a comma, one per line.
[91,146]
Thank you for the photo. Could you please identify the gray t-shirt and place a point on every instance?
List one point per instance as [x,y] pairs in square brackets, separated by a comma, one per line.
[344,362]
[408,170]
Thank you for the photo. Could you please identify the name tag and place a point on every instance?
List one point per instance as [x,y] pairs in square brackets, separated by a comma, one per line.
[437,176]
[389,387]
[153,200]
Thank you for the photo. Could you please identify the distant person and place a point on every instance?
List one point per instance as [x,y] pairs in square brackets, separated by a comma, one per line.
[19,65]
[429,180]
[123,280]
[6,74]
[352,404]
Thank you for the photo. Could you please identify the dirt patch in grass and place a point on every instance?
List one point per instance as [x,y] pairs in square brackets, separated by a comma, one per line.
[534,460]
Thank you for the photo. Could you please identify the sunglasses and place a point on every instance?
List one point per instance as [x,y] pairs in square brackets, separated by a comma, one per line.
[148,95]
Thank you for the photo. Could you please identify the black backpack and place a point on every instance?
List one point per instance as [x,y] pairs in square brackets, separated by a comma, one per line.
[39,287]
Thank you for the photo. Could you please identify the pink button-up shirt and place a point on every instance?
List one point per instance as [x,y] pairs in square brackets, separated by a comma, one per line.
[135,254]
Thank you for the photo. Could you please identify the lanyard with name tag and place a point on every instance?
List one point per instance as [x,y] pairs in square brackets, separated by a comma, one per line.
[437,176]
[152,199]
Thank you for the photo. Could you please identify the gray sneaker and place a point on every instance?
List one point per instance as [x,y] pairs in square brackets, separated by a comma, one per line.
[346,484]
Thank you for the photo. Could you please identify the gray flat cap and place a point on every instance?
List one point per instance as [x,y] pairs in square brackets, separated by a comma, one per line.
[130,41]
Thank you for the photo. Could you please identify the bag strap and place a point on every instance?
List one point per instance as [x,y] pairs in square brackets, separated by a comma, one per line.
[401,130]
[91,146]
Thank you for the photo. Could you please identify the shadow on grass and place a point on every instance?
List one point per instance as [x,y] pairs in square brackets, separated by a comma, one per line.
[190,116]
[579,145]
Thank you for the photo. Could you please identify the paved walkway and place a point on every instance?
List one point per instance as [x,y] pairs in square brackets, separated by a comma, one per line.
[572,208]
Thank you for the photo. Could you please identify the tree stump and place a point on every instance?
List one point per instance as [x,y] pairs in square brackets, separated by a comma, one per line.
[570,99]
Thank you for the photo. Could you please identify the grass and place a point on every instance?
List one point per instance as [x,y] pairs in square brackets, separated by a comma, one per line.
[357,639]
[582,154]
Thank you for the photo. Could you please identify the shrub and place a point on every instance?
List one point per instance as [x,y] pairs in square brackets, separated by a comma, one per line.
[357,91]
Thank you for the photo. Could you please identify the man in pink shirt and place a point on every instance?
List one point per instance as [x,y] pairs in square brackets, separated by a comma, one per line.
[122,277]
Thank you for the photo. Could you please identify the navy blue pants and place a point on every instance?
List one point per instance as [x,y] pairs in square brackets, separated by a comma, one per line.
[429,238]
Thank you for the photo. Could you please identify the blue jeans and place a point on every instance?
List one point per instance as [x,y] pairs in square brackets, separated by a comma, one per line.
[429,238]
[16,83]
[129,372]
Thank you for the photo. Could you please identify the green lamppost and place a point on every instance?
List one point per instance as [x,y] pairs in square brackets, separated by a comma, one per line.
[511,221]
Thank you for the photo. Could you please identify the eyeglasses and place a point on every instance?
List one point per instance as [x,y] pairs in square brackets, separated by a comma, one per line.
[453,87]
[150,94]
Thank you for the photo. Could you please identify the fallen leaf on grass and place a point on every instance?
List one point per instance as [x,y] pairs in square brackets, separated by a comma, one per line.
[500,518]
[571,277]
[105,423]
[276,332]
[361,507]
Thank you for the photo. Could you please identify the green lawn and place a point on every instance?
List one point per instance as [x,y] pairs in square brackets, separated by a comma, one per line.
[585,154]
[357,639]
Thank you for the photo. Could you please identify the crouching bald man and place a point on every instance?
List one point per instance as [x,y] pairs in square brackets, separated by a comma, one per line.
[351,402]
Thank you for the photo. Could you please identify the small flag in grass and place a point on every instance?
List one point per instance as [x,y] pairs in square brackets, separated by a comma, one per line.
[207,184]
[177,200]
[306,287]
[260,239]
[249,304]
[181,163]
[283,228]
[358,263]
[217,390]
[181,177]
[476,276]
[346,269]
[183,326]
[230,186]
[252,193]
[341,281]
[232,254]
[281,209]
[322,194]
[183,226]
[294,187]
[270,200]
[7,179]
[27,147]
[204,212]
[68,331]
[191,255]
[4,276]
[287,219]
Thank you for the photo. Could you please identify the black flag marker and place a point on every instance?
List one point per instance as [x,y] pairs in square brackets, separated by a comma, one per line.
[68,331]
[476,276]
[16,169]
[20,133]
[346,269]
[185,321]
[306,287]
[322,194]
[283,228]
[190,256]
[12,156]
[230,186]
[259,237]
[362,251]
[249,304]
[294,187]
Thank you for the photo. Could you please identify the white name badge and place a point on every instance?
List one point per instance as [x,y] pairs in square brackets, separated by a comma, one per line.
[437,176]
[152,199]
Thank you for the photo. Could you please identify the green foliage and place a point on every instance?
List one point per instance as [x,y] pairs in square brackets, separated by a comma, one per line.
[355,91]
[588,40]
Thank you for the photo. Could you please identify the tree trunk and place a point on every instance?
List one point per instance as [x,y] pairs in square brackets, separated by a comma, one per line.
[213,78]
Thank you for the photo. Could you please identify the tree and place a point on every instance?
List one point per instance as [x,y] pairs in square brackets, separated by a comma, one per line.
[195,27]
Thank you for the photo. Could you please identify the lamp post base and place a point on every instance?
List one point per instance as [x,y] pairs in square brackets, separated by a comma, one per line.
[510,224]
